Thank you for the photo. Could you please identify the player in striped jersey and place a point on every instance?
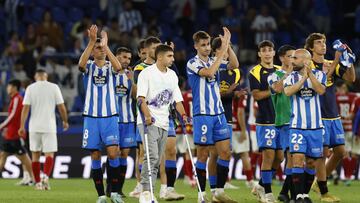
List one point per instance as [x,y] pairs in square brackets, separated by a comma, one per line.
[209,123]
[100,111]
[268,140]
[334,133]
[282,107]
[304,86]
[124,101]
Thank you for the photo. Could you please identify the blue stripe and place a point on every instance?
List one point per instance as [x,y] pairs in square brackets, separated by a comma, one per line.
[317,117]
[299,115]
[216,99]
[266,176]
[114,162]
[288,171]
[128,104]
[213,180]
[99,98]
[297,170]
[95,164]
[223,163]
[170,164]
[310,171]
[200,165]
[207,97]
[91,104]
[123,161]
[308,113]
[121,110]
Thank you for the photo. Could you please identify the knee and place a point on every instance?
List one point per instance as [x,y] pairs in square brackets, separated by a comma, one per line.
[96,155]
[124,153]
[170,152]
[225,154]
[310,163]
[341,152]
[202,155]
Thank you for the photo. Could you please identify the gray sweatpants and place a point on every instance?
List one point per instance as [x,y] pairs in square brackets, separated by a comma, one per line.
[156,143]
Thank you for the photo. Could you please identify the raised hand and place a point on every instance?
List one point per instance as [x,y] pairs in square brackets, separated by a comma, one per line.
[92,33]
[104,38]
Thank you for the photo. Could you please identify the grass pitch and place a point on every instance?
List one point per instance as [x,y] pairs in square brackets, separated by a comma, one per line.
[82,190]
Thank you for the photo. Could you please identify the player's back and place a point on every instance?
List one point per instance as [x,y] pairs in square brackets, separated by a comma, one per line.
[344,102]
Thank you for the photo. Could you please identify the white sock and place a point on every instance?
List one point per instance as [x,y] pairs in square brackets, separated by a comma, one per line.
[219,191]
[305,195]
[299,196]
[170,188]
[163,186]
[26,175]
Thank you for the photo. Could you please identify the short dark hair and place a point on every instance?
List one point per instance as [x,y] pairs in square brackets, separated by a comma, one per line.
[285,48]
[141,45]
[122,50]
[16,83]
[309,42]
[215,44]
[151,40]
[40,70]
[265,43]
[197,36]
[162,48]
[339,83]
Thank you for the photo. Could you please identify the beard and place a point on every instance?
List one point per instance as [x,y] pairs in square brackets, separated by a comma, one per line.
[297,67]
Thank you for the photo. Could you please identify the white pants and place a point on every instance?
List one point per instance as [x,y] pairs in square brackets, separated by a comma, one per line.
[238,147]
[43,142]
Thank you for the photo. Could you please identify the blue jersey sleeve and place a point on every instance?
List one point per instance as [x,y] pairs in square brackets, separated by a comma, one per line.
[193,68]
[272,78]
[320,76]
[289,80]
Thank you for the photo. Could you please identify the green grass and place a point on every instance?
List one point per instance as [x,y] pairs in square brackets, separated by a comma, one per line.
[80,190]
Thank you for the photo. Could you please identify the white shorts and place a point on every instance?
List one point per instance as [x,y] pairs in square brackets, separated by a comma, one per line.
[181,143]
[348,141]
[254,145]
[238,147]
[43,142]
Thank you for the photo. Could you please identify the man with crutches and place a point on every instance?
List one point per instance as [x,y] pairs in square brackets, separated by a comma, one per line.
[157,89]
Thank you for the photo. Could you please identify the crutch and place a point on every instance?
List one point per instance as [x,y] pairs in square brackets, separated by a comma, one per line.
[147,152]
[191,158]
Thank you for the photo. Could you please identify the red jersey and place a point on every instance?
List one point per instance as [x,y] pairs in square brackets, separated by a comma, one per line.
[12,122]
[355,105]
[344,102]
[237,105]
[187,97]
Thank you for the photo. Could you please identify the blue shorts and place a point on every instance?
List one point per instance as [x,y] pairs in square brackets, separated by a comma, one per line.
[171,131]
[100,131]
[138,136]
[127,132]
[230,133]
[267,137]
[210,129]
[283,132]
[308,142]
[334,133]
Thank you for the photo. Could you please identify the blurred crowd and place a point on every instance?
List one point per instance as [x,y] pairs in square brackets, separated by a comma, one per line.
[51,34]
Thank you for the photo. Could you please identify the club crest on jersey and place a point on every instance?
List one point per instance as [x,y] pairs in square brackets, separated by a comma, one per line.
[269,142]
[121,90]
[306,93]
[296,147]
[99,80]
[84,143]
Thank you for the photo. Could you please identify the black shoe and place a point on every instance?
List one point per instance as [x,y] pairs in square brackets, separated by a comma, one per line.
[307,200]
[122,194]
[336,181]
[283,198]
[292,201]
[300,200]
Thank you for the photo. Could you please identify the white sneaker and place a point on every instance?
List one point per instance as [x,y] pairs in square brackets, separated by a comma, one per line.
[25,180]
[45,182]
[269,198]
[171,195]
[250,184]
[206,199]
[259,192]
[136,192]
[163,190]
[39,186]
[145,197]
[101,199]
[116,198]
[230,186]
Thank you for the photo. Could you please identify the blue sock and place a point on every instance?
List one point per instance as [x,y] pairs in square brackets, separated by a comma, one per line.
[95,164]
[266,178]
[310,171]
[201,172]
[123,161]
[200,165]
[288,171]
[114,162]
[212,181]
[170,164]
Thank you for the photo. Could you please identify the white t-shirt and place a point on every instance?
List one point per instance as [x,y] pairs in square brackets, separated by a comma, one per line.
[160,90]
[42,96]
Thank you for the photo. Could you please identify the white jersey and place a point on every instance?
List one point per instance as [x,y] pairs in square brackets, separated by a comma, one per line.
[42,96]
[160,90]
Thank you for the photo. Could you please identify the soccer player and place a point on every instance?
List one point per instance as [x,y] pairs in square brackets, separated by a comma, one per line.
[304,85]
[100,111]
[12,142]
[268,140]
[344,100]
[209,123]
[42,97]
[157,89]
[141,53]
[282,108]
[127,127]
[334,133]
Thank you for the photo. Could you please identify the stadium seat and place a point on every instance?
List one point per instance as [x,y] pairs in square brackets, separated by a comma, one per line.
[75,14]
[59,15]
[167,16]
[44,3]
[62,3]
[37,14]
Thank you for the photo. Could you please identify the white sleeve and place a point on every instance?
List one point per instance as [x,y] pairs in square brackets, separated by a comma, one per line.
[27,97]
[142,85]
[58,96]
[177,92]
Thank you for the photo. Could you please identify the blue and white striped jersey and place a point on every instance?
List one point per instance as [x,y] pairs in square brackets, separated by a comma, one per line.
[99,83]
[123,96]
[206,91]
[305,104]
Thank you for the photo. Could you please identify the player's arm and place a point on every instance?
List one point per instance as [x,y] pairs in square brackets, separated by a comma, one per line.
[24,116]
[241,120]
[63,115]
[112,58]
[350,74]
[11,116]
[144,109]
[92,32]
[260,94]
[233,61]
[317,84]
[290,89]
[211,71]
[141,94]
